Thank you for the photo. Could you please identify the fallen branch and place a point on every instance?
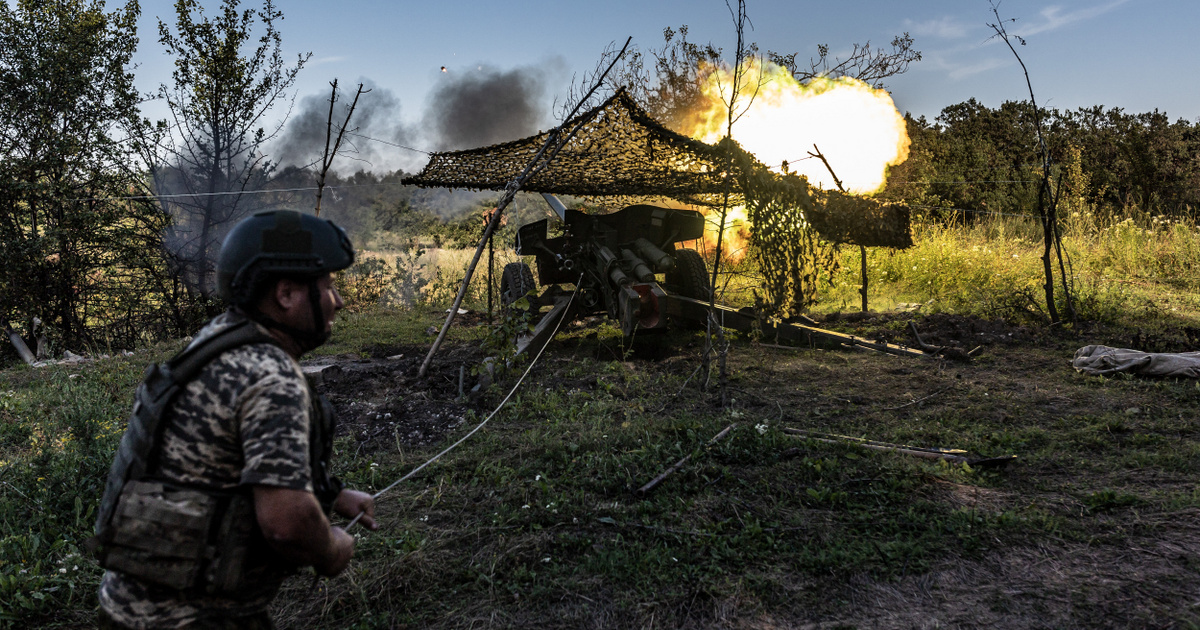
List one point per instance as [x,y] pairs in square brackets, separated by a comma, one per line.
[680,464]
[856,440]
[956,456]
[948,352]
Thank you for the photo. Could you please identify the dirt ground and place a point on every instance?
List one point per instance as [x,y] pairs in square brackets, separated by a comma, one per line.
[1147,580]
[374,396]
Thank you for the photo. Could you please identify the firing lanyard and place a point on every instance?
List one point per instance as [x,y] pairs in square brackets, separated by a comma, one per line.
[485,420]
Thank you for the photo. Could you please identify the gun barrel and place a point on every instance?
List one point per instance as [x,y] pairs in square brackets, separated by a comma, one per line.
[661,260]
[640,270]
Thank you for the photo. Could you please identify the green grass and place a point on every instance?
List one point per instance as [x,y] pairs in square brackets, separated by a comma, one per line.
[59,427]
[536,522]
[1124,266]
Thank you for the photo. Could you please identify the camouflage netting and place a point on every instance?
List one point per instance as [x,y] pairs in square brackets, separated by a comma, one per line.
[620,151]
[842,218]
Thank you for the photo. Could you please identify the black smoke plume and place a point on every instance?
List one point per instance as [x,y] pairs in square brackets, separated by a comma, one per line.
[377,117]
[468,108]
[485,106]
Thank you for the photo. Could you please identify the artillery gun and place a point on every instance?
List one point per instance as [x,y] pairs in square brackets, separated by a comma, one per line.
[615,262]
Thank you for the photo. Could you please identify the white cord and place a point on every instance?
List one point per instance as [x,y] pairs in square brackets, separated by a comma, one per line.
[485,420]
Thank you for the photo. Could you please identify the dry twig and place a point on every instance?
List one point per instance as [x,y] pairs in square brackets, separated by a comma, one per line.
[680,464]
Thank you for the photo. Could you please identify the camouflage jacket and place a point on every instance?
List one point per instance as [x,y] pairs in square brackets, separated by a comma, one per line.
[244,420]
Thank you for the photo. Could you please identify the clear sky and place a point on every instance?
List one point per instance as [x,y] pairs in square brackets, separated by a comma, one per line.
[1139,55]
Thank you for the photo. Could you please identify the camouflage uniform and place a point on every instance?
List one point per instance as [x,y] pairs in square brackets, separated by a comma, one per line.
[243,421]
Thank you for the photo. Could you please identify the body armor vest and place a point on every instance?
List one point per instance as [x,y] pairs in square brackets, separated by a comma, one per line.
[185,537]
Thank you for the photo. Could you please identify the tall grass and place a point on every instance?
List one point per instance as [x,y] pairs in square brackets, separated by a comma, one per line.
[414,276]
[1121,266]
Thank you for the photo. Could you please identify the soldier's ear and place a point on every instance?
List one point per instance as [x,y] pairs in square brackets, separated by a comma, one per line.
[290,294]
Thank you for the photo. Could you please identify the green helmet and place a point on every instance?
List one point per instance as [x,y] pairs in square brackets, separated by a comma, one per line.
[281,243]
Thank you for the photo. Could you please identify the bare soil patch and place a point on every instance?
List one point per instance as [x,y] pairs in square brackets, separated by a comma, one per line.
[381,403]
[1142,584]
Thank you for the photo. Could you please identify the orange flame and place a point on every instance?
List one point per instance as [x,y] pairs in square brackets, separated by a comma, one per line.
[736,239]
[779,120]
[856,127]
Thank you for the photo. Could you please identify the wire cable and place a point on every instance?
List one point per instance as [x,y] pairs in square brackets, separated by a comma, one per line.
[485,420]
[262,191]
[257,191]
[392,144]
[967,211]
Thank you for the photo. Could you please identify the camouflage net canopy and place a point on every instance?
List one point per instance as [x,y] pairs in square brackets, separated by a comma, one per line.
[620,151]
[622,154]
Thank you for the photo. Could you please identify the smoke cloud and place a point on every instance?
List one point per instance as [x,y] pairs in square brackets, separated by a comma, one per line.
[469,107]
[486,106]
[377,116]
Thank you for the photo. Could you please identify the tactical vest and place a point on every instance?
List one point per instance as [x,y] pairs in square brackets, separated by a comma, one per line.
[184,537]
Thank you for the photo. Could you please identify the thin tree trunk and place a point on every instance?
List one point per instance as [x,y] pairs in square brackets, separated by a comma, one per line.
[1046,211]
[1048,237]
[862,250]
[214,172]
[327,156]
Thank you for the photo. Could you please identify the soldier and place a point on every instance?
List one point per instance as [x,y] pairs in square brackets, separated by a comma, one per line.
[221,488]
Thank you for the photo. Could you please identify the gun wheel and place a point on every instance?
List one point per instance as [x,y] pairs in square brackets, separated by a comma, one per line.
[690,275]
[516,281]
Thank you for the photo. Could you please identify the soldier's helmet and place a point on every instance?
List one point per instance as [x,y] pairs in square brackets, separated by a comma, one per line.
[276,244]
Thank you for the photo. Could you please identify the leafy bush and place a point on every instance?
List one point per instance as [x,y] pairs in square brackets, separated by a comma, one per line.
[372,281]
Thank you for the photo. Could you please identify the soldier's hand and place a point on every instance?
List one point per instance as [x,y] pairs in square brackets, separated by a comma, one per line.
[350,503]
[339,553]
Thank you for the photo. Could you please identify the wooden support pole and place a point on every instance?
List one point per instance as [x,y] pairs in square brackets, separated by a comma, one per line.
[555,141]
[491,274]
[816,152]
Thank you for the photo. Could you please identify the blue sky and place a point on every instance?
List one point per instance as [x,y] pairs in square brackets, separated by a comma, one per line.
[1135,54]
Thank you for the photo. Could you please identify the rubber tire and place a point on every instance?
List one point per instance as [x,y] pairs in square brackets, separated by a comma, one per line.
[516,281]
[690,275]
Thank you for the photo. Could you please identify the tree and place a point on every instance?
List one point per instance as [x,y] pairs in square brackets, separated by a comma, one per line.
[74,254]
[224,85]
[867,64]
[1047,200]
[679,68]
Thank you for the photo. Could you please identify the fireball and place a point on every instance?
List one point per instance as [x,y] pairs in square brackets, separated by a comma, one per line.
[783,122]
[780,121]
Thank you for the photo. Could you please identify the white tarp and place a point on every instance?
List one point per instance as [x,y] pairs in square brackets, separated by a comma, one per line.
[1096,360]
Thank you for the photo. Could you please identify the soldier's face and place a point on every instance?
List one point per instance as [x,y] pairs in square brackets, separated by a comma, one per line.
[331,300]
[291,304]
